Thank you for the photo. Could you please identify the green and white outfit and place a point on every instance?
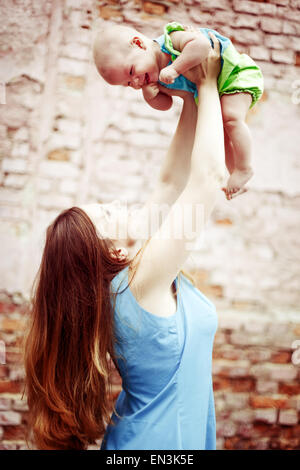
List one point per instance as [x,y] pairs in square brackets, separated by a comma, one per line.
[239,73]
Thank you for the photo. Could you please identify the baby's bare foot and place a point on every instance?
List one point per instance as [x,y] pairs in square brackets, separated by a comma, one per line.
[236,181]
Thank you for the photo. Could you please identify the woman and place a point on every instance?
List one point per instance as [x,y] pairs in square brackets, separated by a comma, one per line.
[84,312]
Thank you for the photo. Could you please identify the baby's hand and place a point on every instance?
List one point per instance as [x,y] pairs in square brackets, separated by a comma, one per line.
[168,75]
[150,91]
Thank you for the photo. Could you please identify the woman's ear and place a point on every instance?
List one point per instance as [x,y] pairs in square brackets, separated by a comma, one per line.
[136,41]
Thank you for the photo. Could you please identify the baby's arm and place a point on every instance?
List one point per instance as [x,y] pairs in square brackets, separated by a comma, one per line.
[194,48]
[155,98]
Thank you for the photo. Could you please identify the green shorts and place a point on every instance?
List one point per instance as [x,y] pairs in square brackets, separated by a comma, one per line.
[240,74]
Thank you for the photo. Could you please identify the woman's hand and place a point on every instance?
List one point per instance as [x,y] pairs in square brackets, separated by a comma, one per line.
[209,69]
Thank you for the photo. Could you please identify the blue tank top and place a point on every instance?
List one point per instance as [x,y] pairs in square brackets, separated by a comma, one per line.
[167,401]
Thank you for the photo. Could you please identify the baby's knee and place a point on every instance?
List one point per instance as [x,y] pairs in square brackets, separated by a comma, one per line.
[231,122]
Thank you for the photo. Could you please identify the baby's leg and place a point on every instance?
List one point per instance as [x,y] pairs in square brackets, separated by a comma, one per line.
[229,152]
[229,160]
[234,110]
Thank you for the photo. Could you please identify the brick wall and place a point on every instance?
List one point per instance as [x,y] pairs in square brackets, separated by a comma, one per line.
[66,137]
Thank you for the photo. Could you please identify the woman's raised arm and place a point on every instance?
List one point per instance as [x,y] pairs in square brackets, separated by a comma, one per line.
[168,249]
[175,169]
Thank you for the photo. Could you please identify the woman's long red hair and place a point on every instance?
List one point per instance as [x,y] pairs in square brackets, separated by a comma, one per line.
[68,347]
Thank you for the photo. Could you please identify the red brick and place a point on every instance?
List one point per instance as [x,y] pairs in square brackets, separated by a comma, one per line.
[281,357]
[7,386]
[283,373]
[296,330]
[259,401]
[289,388]
[14,433]
[219,383]
[223,353]
[9,324]
[277,42]
[245,430]
[5,403]
[211,290]
[233,353]
[220,18]
[7,307]
[295,45]
[3,371]
[207,5]
[229,368]
[289,14]
[61,155]
[287,432]
[154,8]
[247,36]
[225,428]
[288,417]
[242,385]
[258,355]
[224,221]
[262,444]
[283,57]
[244,444]
[264,429]
[220,338]
[74,83]
[199,276]
[246,21]
[284,444]
[271,25]
[266,386]
[13,357]
[108,12]
[295,431]
[279,2]
[20,404]
[266,415]
[255,8]
[10,418]
[230,442]
[291,27]
[203,18]
[217,354]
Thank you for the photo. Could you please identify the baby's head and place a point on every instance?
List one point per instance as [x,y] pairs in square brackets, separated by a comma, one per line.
[123,56]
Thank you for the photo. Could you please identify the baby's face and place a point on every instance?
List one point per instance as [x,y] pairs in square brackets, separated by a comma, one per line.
[141,67]
[132,64]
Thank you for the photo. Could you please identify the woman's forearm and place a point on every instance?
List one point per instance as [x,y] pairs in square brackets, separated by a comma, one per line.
[175,169]
[208,156]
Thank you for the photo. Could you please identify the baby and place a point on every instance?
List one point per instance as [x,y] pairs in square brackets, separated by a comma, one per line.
[123,56]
